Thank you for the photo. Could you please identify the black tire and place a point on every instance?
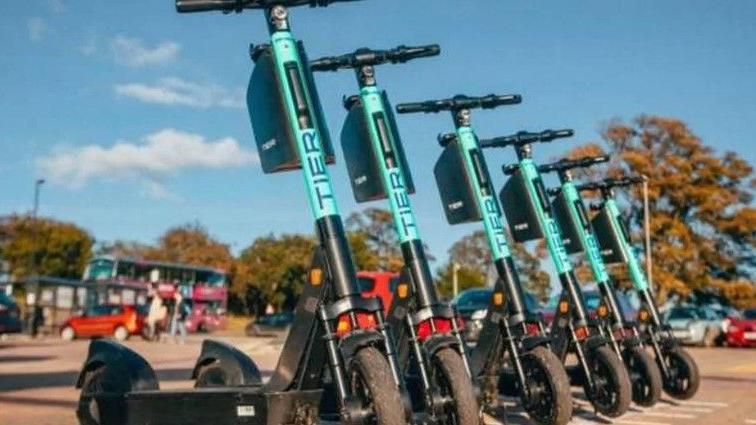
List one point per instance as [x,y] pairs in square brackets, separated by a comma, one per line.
[550,400]
[645,376]
[613,392]
[211,375]
[452,380]
[684,379]
[88,412]
[372,381]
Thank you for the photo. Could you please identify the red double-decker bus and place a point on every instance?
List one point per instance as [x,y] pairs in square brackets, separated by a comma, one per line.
[125,280]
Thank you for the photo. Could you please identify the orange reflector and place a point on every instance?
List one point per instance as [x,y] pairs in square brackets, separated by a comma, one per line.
[602,311]
[643,315]
[343,326]
[498,298]
[402,290]
[316,277]
[564,306]
[581,332]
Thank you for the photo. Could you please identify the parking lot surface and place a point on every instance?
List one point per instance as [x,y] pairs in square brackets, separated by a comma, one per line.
[37,378]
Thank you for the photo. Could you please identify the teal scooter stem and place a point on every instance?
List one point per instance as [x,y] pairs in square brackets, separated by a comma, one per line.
[578,233]
[431,351]
[532,370]
[530,217]
[679,371]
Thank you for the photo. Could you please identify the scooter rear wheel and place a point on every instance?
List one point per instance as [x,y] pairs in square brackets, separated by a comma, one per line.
[372,381]
[645,376]
[547,398]
[613,392]
[684,378]
[451,377]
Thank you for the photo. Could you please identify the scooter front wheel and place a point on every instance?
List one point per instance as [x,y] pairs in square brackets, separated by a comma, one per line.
[612,391]
[450,375]
[372,382]
[547,397]
[684,378]
[645,376]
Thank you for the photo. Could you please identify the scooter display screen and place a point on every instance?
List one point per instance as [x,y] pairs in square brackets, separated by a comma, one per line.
[362,165]
[454,186]
[521,208]
[610,240]
[266,99]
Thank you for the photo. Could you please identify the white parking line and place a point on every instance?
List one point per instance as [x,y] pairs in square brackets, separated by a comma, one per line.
[690,409]
[702,403]
[634,422]
[750,421]
[669,415]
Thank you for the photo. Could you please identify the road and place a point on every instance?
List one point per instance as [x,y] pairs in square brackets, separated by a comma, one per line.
[36,383]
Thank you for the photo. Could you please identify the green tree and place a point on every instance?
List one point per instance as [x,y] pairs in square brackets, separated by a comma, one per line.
[191,244]
[277,266]
[376,229]
[473,257]
[701,214]
[44,246]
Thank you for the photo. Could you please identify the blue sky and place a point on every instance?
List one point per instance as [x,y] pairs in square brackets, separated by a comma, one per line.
[79,78]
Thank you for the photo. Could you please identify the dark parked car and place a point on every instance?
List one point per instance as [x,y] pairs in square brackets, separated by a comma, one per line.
[10,315]
[472,306]
[592,298]
[270,324]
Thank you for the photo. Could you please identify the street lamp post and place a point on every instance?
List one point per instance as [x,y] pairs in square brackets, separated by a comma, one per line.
[37,185]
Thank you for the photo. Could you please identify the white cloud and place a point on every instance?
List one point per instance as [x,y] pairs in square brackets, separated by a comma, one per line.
[175,91]
[132,52]
[156,156]
[156,190]
[37,29]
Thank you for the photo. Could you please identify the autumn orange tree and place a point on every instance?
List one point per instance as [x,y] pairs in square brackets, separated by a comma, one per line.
[43,246]
[703,223]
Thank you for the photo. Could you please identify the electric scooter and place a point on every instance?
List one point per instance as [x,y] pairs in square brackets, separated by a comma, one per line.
[678,369]
[430,349]
[534,373]
[338,341]
[578,236]
[530,217]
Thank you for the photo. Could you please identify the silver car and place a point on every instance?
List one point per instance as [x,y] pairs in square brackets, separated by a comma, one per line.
[694,325]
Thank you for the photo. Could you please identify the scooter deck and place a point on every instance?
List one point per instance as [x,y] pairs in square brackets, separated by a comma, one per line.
[222,405]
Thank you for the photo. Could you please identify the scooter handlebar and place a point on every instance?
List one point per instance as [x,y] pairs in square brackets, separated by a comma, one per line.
[368,57]
[568,164]
[460,102]
[525,138]
[610,183]
[228,6]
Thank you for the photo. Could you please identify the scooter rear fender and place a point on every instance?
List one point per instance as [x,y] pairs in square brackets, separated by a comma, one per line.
[129,370]
[595,341]
[238,368]
[350,344]
[436,342]
[532,341]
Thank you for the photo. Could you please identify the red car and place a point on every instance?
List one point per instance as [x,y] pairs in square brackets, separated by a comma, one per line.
[379,284]
[741,330]
[118,321]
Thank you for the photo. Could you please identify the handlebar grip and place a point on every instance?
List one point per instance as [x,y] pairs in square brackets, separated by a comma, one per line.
[585,187]
[191,6]
[405,53]
[415,107]
[327,63]
[492,100]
